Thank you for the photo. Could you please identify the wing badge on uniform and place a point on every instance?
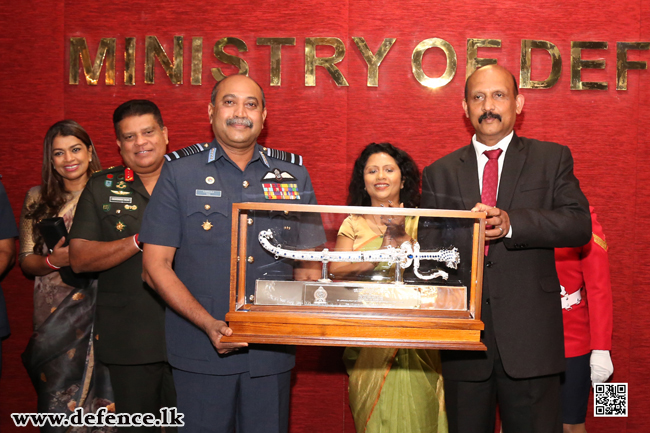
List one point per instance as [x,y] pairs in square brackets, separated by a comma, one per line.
[278,175]
[121,192]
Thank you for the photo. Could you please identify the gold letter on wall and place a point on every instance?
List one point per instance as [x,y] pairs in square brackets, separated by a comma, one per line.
[79,48]
[416,62]
[174,70]
[577,64]
[473,62]
[373,60]
[311,61]
[623,64]
[276,56]
[197,61]
[527,46]
[129,61]
[228,59]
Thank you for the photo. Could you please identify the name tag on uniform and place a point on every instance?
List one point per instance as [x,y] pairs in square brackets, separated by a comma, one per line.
[207,193]
[120,199]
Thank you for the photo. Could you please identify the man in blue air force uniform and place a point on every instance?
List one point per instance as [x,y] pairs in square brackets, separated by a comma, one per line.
[8,233]
[224,387]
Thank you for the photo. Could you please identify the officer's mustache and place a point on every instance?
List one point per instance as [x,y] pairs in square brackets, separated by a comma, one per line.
[489,115]
[240,121]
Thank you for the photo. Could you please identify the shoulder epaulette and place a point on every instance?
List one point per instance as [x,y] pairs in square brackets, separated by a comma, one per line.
[112,169]
[283,156]
[600,241]
[187,151]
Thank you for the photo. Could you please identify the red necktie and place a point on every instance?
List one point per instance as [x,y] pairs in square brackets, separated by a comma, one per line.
[490,182]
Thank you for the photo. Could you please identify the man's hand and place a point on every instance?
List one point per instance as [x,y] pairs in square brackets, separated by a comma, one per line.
[601,366]
[60,256]
[498,222]
[97,256]
[157,271]
[7,255]
[218,329]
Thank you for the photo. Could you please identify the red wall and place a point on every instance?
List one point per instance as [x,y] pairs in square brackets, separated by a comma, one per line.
[606,130]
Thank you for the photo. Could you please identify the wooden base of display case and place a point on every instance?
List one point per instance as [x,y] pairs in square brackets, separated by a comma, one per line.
[352,329]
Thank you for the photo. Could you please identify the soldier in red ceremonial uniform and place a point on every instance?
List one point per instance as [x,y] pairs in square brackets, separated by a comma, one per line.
[587,314]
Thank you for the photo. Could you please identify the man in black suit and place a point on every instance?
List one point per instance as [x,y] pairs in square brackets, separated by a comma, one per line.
[130,317]
[539,206]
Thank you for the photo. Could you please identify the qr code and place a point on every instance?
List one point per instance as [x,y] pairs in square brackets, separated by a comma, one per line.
[610,399]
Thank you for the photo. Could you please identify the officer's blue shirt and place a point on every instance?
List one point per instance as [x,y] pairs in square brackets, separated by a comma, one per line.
[7,230]
[190,209]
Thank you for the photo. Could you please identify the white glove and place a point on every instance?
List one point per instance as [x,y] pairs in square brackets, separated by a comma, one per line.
[601,366]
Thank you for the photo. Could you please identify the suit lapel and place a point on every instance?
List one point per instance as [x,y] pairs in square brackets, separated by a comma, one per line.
[512,166]
[468,178]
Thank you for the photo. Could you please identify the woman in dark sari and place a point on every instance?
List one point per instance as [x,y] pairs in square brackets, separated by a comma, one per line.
[59,356]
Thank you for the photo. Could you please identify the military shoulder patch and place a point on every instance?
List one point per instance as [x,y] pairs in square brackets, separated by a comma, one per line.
[283,156]
[187,151]
[600,241]
[108,171]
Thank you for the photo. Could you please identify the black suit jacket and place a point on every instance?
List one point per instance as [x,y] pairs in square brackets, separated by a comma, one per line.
[547,210]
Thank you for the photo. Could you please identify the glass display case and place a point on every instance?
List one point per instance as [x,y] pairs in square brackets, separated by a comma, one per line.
[356,276]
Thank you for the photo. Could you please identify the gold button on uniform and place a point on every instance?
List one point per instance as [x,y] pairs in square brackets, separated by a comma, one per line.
[286,212]
[245,184]
[118,211]
[250,221]
[251,259]
[207,207]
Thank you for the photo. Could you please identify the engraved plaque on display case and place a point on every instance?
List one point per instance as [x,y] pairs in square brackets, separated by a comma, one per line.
[351,294]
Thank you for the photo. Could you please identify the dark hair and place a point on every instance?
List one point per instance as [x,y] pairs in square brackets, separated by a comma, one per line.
[409,195]
[514,83]
[53,192]
[213,96]
[136,107]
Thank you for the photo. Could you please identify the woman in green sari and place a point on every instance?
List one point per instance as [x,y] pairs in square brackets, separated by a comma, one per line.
[391,390]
